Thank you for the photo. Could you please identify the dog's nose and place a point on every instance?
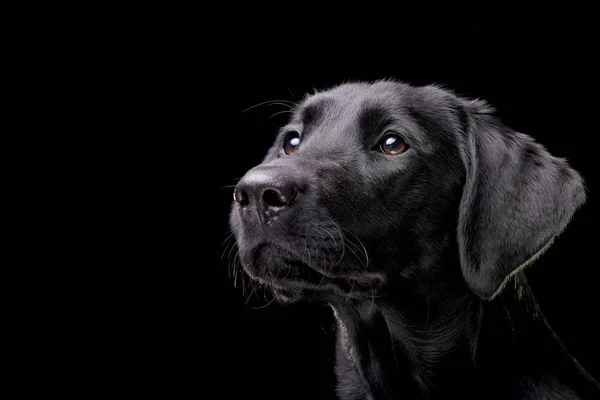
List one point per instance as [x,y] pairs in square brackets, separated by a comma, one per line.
[267,192]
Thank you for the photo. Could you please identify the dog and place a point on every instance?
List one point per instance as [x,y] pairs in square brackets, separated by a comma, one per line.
[407,210]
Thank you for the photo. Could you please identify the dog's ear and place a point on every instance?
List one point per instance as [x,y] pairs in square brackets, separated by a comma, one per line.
[517,198]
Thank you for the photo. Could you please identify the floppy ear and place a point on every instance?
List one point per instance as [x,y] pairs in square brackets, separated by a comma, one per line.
[517,198]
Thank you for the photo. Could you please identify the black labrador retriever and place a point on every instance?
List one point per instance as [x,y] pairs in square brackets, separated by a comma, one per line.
[407,209]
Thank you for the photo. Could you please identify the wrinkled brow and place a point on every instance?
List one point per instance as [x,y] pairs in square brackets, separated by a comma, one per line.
[372,120]
[312,112]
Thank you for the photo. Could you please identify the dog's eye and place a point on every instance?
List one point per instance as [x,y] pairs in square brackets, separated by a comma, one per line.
[392,145]
[292,140]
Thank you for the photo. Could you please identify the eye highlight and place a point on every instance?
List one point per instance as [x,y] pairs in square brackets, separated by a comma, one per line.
[392,145]
[291,142]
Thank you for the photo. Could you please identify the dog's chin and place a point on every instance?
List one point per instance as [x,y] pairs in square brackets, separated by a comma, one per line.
[278,268]
[292,279]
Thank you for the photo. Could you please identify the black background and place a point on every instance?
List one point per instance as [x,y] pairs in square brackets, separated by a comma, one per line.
[184,326]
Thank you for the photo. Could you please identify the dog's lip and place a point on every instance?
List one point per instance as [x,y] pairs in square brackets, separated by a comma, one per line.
[366,278]
[316,275]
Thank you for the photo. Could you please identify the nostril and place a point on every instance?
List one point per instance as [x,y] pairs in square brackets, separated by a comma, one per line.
[241,197]
[279,197]
[273,198]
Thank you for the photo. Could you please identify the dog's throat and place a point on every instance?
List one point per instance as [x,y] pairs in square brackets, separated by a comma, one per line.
[368,346]
[394,355]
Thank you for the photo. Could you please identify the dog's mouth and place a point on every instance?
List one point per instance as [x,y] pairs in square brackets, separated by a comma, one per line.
[279,268]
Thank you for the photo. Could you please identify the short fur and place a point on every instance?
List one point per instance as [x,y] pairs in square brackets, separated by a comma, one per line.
[413,251]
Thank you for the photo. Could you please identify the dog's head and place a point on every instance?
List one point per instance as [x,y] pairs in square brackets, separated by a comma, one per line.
[371,184]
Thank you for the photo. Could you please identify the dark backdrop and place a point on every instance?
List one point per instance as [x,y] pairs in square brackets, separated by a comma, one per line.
[184,326]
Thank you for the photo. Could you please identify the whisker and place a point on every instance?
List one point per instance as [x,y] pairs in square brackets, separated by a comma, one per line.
[231,267]
[235,264]
[233,247]
[235,273]
[317,255]
[319,229]
[363,247]
[280,112]
[290,106]
[327,232]
[233,179]
[341,238]
[232,261]
[227,242]
[289,269]
[356,251]
[307,250]
[266,305]
[277,275]
[254,286]
[328,262]
[229,234]
[269,102]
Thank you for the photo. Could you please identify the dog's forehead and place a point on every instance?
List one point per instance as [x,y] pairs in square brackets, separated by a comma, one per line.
[363,111]
[350,106]
[356,96]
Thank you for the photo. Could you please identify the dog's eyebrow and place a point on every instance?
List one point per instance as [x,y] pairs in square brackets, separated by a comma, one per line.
[311,113]
[373,119]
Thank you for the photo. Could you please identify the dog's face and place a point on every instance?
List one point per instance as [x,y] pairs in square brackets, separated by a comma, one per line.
[371,184]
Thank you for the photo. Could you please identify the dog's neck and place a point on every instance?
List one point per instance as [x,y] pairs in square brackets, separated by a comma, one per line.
[432,343]
[406,346]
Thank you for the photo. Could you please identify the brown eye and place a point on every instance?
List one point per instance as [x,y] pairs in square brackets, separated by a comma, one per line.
[392,145]
[292,140]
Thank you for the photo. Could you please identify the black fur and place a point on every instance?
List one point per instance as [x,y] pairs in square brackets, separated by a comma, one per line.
[412,251]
